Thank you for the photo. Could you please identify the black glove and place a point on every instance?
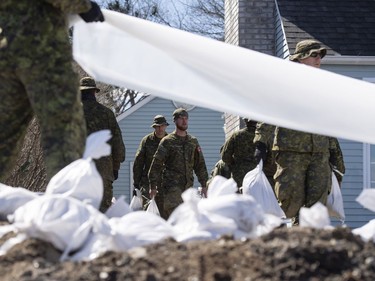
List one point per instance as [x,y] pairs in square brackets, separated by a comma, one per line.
[135,192]
[260,152]
[115,174]
[94,14]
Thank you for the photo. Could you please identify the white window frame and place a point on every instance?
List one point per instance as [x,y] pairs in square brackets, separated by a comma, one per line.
[367,153]
[131,180]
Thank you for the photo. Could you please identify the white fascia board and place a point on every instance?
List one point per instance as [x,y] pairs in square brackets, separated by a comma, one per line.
[349,60]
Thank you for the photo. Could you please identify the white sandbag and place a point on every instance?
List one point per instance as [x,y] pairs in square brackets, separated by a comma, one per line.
[256,184]
[316,216]
[138,229]
[221,186]
[335,203]
[55,219]
[12,198]
[367,232]
[80,179]
[136,204]
[191,224]
[98,241]
[367,199]
[118,208]
[153,208]
[96,245]
[243,209]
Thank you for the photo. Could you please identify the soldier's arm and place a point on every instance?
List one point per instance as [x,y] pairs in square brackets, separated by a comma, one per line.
[139,163]
[336,158]
[263,140]
[118,147]
[200,168]
[227,151]
[157,165]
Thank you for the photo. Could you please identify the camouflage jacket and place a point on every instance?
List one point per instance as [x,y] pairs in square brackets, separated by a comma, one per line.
[35,30]
[98,117]
[238,153]
[181,156]
[291,140]
[143,158]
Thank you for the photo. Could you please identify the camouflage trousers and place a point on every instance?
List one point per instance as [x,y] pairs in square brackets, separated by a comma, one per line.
[172,199]
[159,199]
[50,94]
[301,180]
[107,196]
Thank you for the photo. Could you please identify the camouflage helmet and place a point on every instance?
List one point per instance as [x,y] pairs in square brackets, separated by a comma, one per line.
[159,120]
[305,48]
[87,83]
[180,112]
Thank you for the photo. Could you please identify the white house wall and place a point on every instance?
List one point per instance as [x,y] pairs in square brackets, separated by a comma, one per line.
[205,124]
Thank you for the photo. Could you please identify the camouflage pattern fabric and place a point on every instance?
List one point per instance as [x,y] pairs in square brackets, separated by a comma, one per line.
[107,196]
[220,169]
[303,175]
[238,153]
[141,166]
[269,167]
[302,179]
[176,159]
[172,199]
[336,159]
[37,78]
[291,140]
[98,117]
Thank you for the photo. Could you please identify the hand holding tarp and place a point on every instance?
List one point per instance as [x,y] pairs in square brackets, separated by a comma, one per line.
[94,14]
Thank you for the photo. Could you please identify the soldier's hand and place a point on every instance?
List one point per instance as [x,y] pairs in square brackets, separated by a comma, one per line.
[115,174]
[260,152]
[153,191]
[134,190]
[94,14]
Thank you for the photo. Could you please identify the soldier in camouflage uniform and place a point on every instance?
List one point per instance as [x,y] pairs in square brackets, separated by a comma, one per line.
[143,159]
[238,151]
[98,117]
[177,156]
[303,175]
[37,78]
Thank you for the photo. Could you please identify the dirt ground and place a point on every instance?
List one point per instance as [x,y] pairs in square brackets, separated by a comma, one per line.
[284,254]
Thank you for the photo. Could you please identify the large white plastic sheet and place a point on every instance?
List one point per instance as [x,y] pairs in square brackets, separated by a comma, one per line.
[173,64]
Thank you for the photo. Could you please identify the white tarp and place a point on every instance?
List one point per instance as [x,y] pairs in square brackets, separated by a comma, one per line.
[173,64]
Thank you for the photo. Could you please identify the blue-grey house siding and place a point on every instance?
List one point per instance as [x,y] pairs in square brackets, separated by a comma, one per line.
[354,154]
[205,124]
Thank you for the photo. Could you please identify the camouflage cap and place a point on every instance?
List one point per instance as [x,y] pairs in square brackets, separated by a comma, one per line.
[159,120]
[180,112]
[305,48]
[87,83]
